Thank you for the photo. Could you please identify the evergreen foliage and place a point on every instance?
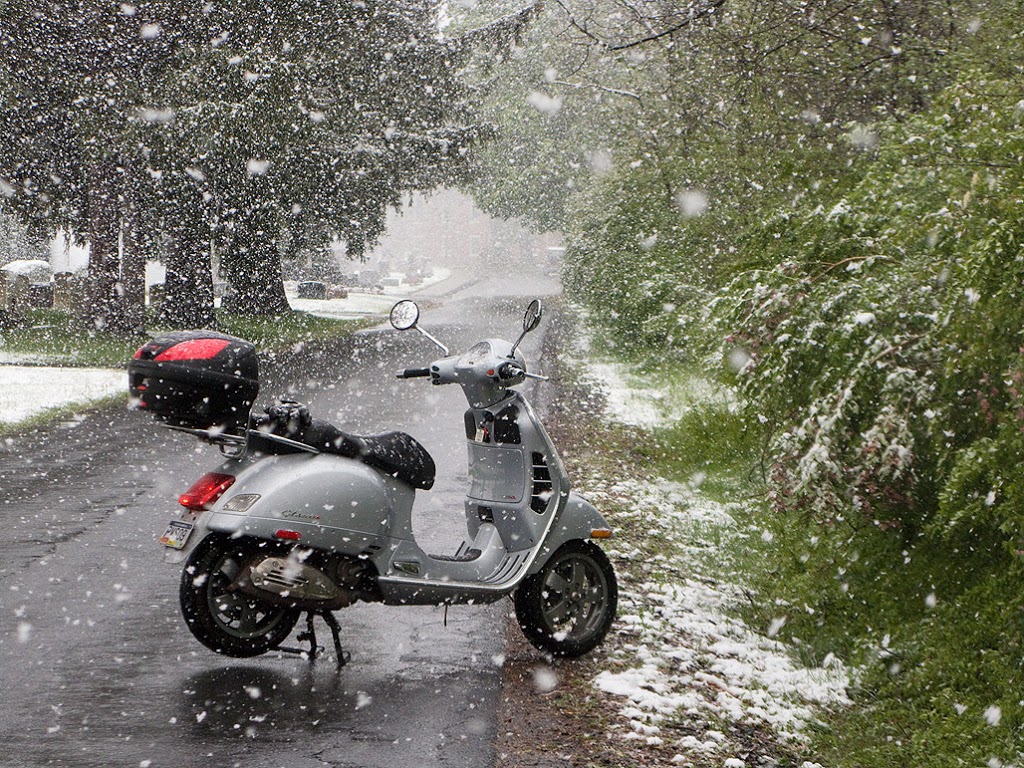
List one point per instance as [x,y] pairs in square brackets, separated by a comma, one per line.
[222,126]
[16,243]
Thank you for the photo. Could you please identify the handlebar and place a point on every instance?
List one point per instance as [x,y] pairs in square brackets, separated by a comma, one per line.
[413,373]
[510,370]
[508,373]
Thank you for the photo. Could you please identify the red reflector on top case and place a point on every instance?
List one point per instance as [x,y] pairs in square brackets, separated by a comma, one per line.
[195,349]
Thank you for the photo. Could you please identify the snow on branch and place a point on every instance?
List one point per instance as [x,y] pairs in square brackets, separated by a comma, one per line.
[501,33]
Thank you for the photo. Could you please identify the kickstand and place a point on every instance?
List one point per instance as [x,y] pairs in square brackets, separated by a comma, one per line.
[343,656]
[309,635]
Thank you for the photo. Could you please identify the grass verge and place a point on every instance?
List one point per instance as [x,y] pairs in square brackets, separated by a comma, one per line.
[932,626]
[61,413]
[53,338]
[680,680]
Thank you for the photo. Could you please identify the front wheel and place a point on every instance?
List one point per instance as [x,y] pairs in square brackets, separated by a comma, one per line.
[222,618]
[568,606]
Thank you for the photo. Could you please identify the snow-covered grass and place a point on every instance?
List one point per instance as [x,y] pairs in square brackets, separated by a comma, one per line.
[362,304]
[650,398]
[27,391]
[741,628]
[691,675]
[355,305]
[634,404]
[33,382]
[687,656]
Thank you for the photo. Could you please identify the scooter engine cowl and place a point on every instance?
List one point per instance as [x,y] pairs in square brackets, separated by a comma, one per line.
[289,578]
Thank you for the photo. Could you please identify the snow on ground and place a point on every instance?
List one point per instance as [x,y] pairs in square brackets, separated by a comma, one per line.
[31,384]
[686,657]
[28,390]
[639,406]
[364,304]
[356,305]
[643,400]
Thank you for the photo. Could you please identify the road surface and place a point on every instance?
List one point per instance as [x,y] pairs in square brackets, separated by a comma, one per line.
[98,668]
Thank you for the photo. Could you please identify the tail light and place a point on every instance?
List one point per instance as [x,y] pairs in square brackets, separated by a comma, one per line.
[205,491]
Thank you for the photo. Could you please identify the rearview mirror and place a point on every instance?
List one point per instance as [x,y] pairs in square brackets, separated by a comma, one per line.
[531,319]
[404,315]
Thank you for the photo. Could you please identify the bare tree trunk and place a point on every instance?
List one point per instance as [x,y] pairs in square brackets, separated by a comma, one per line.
[133,269]
[103,307]
[253,268]
[189,287]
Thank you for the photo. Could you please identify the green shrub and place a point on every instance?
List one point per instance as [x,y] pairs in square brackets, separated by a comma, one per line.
[879,339]
[878,346]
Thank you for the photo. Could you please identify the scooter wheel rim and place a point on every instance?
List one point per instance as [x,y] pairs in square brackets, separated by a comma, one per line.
[574,594]
[237,614]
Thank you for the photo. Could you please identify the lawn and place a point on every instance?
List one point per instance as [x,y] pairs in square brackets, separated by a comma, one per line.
[53,338]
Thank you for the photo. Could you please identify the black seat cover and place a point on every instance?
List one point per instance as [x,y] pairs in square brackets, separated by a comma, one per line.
[399,455]
[395,453]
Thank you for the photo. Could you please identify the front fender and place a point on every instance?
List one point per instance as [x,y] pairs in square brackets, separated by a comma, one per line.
[577,520]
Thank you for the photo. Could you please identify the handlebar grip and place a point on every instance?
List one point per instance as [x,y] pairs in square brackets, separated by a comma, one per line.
[509,370]
[413,373]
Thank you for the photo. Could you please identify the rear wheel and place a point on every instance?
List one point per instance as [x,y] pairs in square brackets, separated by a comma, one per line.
[568,606]
[222,618]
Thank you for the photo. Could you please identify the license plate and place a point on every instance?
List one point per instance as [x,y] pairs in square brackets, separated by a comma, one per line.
[177,534]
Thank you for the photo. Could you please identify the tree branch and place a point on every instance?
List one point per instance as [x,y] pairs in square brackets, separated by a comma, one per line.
[598,87]
[707,10]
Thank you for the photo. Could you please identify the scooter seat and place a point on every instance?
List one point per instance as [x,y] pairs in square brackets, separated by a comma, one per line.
[401,456]
[395,453]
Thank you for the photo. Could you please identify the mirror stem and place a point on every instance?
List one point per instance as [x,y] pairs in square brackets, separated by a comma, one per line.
[516,345]
[438,343]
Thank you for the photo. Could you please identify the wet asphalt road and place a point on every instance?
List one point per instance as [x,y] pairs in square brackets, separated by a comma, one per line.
[97,666]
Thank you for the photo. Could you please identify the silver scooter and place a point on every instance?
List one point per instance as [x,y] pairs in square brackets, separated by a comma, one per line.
[303,517]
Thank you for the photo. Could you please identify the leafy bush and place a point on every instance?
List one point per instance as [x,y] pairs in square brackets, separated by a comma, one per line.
[878,338]
[879,344]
